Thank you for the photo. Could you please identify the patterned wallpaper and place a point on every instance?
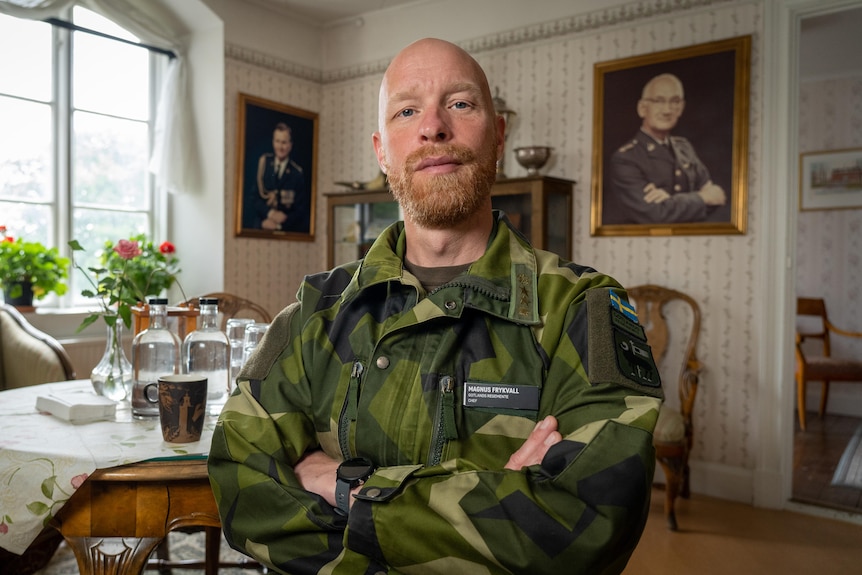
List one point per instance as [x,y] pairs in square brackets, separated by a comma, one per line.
[829,242]
[548,81]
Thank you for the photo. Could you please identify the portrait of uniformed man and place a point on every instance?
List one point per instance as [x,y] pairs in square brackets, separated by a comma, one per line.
[656,177]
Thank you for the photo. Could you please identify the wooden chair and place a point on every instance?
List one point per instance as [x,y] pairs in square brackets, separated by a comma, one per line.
[673,433]
[230,305]
[822,365]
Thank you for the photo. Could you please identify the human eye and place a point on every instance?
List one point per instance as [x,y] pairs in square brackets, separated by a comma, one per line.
[461,105]
[406,113]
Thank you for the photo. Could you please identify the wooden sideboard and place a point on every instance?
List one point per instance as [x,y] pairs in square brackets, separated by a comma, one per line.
[540,206]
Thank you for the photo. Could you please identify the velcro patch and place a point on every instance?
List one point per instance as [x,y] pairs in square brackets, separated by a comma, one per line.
[634,358]
[617,348]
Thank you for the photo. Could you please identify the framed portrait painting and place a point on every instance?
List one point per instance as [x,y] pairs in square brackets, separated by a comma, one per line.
[830,180]
[670,142]
[276,165]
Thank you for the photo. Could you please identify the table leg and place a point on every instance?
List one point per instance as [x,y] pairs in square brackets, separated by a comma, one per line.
[112,555]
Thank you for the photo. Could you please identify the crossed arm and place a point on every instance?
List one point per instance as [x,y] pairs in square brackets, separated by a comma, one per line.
[316,470]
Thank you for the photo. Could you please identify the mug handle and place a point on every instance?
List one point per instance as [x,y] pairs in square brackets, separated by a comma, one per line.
[154,399]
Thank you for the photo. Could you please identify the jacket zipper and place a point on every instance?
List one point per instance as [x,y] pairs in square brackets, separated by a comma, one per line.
[349,409]
[445,430]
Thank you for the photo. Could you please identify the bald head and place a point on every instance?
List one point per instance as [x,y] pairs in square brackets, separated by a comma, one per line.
[422,59]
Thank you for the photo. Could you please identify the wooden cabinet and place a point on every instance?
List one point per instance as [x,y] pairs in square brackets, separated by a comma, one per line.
[541,207]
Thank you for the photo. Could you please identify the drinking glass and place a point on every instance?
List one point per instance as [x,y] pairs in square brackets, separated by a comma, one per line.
[253,334]
[235,329]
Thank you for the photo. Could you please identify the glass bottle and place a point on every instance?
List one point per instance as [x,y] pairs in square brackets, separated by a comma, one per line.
[155,352]
[206,352]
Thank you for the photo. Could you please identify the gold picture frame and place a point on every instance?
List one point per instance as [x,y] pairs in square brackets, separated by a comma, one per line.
[712,119]
[275,200]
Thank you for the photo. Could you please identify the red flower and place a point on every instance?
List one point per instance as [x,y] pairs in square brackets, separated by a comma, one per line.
[127,249]
[78,480]
[167,248]
[9,239]
[4,529]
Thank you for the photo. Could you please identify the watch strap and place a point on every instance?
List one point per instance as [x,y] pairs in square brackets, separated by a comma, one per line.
[342,496]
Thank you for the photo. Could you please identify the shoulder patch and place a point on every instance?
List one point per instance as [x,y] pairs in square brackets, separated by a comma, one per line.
[617,347]
[628,146]
[296,166]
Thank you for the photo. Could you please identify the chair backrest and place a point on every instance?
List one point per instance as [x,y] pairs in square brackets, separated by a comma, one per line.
[29,356]
[808,308]
[650,301]
[230,305]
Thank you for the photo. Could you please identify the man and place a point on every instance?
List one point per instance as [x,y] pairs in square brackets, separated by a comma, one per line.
[475,377]
[657,178]
[281,184]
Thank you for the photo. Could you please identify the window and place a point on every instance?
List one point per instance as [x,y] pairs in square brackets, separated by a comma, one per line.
[77,111]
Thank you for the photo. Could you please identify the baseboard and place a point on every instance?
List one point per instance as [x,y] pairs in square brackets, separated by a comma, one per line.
[718,480]
[844,398]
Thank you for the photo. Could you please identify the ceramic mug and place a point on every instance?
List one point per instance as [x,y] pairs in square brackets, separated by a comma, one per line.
[182,406]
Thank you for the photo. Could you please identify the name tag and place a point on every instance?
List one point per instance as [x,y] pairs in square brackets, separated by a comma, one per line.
[502,396]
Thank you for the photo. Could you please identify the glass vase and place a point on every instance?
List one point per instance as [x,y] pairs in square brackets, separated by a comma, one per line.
[112,376]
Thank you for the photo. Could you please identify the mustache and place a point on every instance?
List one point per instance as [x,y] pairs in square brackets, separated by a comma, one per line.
[461,154]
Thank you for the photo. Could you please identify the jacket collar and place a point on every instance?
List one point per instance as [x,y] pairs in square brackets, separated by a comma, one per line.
[503,282]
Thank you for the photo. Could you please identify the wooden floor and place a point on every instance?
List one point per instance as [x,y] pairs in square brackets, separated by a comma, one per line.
[718,537]
[816,452]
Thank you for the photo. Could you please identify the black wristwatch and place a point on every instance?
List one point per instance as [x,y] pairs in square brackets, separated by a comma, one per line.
[350,473]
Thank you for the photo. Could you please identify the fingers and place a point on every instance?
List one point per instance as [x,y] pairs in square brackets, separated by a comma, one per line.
[654,194]
[543,436]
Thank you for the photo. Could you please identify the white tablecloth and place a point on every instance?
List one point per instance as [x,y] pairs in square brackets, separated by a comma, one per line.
[44,459]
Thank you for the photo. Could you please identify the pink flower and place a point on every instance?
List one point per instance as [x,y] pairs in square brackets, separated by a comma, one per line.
[127,249]
[78,480]
[167,248]
[4,529]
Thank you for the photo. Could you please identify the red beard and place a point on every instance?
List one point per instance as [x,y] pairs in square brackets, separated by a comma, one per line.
[443,200]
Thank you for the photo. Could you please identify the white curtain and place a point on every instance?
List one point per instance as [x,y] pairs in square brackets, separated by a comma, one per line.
[174,161]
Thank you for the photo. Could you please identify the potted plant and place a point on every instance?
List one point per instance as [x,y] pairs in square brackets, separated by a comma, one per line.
[30,268]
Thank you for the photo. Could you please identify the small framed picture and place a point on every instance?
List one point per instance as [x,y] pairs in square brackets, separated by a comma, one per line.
[670,142]
[830,180]
[276,166]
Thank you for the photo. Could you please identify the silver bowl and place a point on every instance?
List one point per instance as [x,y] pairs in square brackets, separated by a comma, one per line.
[533,158]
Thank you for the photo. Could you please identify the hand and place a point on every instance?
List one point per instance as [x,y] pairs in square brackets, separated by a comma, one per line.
[271,198]
[543,436]
[654,195]
[316,473]
[712,195]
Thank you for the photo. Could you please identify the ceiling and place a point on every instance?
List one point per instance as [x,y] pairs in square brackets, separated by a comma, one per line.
[324,12]
[830,44]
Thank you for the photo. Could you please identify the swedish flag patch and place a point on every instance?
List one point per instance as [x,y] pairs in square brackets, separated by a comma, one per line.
[623,306]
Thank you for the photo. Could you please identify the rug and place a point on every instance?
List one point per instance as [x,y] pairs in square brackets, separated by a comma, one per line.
[849,470]
[182,545]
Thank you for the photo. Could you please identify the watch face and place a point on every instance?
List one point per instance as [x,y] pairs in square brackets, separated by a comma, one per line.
[354,469]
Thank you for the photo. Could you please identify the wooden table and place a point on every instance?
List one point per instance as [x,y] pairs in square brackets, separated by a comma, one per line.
[119,515]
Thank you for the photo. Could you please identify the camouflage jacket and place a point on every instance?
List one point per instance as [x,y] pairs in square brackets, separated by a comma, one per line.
[438,390]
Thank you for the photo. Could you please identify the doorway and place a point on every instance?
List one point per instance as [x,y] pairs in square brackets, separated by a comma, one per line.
[828,244]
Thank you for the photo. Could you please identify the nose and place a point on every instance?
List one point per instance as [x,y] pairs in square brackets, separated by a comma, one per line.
[435,127]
